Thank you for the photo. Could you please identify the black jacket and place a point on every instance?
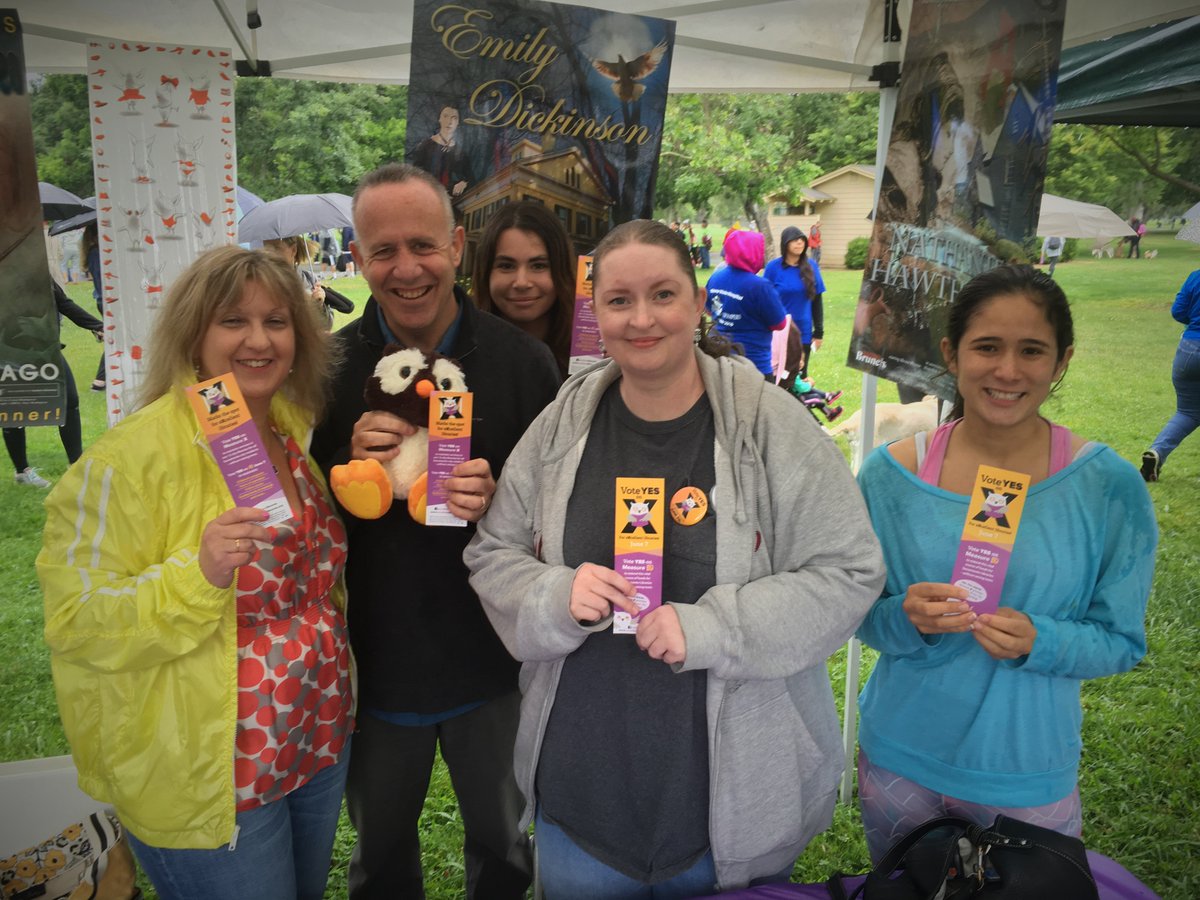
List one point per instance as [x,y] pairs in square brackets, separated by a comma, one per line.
[420,638]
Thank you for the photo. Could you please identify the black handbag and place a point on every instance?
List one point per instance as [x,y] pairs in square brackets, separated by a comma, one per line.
[336,301]
[952,859]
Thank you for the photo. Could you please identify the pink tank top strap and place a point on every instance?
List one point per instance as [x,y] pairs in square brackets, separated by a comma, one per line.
[1060,448]
[931,467]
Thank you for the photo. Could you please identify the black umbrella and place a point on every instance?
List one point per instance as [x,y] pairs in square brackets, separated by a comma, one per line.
[59,204]
[64,225]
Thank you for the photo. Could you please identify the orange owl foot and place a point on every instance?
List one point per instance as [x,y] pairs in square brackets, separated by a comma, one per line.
[362,487]
[417,497]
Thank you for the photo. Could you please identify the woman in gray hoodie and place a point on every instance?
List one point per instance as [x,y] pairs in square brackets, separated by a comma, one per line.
[700,753]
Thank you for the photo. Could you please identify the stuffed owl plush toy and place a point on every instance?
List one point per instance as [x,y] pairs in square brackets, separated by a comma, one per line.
[402,383]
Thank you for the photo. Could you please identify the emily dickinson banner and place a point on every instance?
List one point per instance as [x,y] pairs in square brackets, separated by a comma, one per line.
[563,104]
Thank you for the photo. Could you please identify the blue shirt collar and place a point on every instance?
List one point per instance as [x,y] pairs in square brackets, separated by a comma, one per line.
[448,339]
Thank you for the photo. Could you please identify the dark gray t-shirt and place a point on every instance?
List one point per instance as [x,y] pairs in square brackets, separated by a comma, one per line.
[623,768]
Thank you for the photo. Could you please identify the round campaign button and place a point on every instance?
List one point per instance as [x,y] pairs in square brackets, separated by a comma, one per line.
[689,505]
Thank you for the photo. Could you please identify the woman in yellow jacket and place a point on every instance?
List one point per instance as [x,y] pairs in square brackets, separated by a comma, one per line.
[200,658]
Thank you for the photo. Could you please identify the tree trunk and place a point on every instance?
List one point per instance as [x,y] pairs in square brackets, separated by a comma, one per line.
[756,214]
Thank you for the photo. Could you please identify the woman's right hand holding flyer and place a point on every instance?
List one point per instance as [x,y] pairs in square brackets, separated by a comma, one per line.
[596,590]
[936,608]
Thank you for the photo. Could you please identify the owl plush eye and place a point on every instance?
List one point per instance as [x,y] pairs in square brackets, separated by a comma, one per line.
[448,376]
[396,371]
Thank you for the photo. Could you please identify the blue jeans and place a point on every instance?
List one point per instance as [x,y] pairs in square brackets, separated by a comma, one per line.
[1185,375]
[282,850]
[568,872]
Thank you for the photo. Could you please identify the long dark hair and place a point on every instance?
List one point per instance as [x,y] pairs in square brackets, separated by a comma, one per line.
[656,234]
[792,233]
[534,218]
[88,240]
[1025,280]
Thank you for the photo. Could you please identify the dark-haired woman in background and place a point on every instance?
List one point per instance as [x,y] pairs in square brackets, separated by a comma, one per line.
[525,272]
[798,282]
[976,715]
[89,256]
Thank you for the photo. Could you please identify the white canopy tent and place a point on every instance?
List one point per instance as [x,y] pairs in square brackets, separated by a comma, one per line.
[1073,219]
[721,45]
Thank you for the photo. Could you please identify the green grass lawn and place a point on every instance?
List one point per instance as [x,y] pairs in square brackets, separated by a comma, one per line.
[1141,788]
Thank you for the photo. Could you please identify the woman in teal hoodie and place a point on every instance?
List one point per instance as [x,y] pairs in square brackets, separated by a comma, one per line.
[973,715]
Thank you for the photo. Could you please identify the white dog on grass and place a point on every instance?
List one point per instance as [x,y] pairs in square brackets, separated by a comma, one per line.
[893,421]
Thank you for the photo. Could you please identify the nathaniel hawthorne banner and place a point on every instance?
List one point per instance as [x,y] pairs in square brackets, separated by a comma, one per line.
[963,181]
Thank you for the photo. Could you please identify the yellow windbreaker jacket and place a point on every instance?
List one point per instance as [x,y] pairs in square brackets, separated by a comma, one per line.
[143,648]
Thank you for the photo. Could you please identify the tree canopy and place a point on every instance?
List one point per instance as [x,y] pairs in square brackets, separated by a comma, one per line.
[747,147]
[720,152]
[315,137]
[1133,171]
[292,136]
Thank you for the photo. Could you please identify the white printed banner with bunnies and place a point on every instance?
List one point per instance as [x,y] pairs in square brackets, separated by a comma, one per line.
[166,174]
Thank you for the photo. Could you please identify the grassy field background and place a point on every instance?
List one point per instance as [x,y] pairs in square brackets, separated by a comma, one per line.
[1140,784]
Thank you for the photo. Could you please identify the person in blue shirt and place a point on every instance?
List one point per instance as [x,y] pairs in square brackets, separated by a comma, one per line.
[974,715]
[797,279]
[745,308]
[1185,376]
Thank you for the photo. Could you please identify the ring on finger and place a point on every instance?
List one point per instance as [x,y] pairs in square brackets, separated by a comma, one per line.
[237,545]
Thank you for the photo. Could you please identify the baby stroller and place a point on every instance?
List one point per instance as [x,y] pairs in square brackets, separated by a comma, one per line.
[787,360]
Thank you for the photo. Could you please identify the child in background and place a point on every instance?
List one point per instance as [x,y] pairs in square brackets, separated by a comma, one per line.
[814,398]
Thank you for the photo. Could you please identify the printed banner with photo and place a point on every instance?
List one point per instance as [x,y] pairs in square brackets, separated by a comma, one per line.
[963,181]
[33,387]
[166,174]
[527,100]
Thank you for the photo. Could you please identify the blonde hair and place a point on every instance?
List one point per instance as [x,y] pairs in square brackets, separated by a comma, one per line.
[214,283]
[301,247]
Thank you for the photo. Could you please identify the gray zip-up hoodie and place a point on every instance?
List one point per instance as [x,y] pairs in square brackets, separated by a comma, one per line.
[797,568]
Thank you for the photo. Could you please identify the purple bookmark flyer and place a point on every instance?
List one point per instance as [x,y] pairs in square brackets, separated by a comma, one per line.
[237,447]
[585,332]
[449,445]
[638,545]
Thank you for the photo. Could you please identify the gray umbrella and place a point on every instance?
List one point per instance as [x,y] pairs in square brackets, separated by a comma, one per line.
[58,203]
[294,214]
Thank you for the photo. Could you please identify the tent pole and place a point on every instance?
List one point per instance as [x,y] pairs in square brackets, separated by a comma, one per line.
[870,392]
[251,56]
